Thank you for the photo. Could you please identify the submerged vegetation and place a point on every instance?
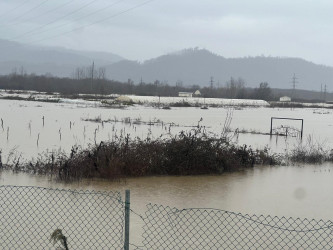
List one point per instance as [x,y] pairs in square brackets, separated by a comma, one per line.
[188,153]
[311,151]
[195,152]
[192,152]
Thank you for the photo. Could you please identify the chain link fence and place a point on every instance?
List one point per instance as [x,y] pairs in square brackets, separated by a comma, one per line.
[96,220]
[197,228]
[88,219]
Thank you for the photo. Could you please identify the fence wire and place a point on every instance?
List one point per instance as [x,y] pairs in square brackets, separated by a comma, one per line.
[95,220]
[196,228]
[89,219]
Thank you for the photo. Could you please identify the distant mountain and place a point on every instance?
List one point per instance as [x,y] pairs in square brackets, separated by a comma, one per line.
[190,66]
[55,60]
[196,66]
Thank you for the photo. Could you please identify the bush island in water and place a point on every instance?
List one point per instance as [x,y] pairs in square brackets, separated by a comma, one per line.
[188,153]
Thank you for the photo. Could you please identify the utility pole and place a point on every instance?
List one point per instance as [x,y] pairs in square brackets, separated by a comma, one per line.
[325,91]
[92,76]
[211,86]
[156,87]
[211,83]
[294,81]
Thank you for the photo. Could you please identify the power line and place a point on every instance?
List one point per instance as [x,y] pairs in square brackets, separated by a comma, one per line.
[47,12]
[65,24]
[56,20]
[99,21]
[83,26]
[15,8]
[32,9]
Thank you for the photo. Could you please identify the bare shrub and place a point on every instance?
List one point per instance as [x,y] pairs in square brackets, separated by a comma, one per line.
[310,151]
[188,153]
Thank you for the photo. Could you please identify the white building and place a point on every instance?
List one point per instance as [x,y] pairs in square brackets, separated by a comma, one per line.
[285,99]
[185,94]
[197,93]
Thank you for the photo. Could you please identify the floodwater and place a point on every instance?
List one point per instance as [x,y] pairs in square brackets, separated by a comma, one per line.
[30,128]
[296,191]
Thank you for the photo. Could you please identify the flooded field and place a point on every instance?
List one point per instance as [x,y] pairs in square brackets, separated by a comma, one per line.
[30,128]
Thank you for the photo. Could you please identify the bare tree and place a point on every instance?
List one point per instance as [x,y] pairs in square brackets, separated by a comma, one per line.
[22,71]
[235,88]
[101,73]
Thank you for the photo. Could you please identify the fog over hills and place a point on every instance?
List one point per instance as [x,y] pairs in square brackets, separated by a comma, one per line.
[196,66]
[55,60]
[190,66]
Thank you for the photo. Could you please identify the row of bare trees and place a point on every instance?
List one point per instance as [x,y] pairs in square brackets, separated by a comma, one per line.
[89,72]
[91,80]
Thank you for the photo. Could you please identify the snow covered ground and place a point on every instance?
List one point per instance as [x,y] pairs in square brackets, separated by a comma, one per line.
[26,94]
[93,101]
[54,97]
[197,101]
[146,100]
[322,105]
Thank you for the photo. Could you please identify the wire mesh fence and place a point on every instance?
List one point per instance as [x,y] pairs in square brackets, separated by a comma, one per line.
[96,220]
[197,228]
[88,219]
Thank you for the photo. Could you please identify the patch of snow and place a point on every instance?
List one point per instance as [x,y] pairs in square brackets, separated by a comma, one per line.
[197,101]
[124,98]
[80,102]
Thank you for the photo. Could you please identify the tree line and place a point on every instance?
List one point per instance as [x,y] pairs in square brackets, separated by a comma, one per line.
[93,81]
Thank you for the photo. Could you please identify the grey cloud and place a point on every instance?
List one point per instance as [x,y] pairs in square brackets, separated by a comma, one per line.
[231,28]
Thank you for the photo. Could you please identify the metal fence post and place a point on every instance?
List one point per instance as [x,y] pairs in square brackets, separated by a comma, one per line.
[271,131]
[127,219]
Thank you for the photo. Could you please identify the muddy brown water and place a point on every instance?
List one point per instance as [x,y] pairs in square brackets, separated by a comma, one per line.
[296,191]
[293,191]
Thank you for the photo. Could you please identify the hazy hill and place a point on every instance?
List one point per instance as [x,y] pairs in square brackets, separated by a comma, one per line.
[196,66]
[55,60]
[190,66]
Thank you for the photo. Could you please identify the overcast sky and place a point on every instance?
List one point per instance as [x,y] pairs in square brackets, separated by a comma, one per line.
[139,30]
